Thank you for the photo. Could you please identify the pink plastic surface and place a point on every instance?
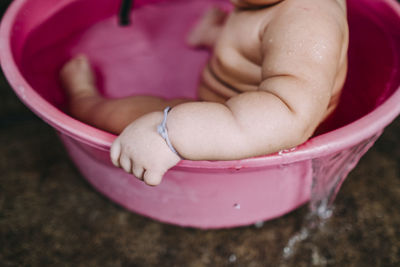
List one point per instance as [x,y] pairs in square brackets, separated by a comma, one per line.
[150,57]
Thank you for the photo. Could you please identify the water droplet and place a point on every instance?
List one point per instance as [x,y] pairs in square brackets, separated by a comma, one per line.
[232,258]
[285,151]
[287,252]
[236,206]
[259,224]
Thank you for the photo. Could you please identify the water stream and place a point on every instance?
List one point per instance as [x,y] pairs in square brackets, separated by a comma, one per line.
[329,173]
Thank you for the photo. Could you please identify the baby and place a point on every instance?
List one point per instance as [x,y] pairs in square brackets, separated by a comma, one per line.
[276,73]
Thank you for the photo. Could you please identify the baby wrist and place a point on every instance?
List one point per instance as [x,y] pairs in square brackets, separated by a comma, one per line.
[163,131]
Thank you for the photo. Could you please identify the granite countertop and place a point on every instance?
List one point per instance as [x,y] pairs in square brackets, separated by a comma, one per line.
[50,216]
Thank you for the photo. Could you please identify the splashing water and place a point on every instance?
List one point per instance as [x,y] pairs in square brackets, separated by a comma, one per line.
[329,173]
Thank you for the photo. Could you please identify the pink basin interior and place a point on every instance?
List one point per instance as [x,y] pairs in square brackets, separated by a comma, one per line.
[151,57]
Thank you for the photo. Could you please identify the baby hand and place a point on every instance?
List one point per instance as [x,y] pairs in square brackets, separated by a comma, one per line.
[141,150]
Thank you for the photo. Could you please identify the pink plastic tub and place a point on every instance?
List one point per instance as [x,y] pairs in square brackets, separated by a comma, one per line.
[150,56]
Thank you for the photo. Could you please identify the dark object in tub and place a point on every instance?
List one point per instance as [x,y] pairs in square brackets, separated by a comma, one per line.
[124,12]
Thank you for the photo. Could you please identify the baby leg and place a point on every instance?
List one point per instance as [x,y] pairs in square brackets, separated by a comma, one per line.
[112,115]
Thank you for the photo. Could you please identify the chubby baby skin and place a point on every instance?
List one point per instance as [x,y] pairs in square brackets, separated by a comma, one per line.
[275,74]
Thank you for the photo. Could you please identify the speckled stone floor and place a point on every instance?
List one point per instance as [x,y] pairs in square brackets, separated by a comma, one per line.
[50,216]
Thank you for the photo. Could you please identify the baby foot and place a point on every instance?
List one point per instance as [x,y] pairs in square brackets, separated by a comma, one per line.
[77,77]
[208,28]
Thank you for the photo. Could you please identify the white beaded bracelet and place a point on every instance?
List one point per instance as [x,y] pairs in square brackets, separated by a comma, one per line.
[162,130]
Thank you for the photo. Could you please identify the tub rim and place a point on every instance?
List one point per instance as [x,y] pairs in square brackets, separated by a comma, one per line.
[319,146]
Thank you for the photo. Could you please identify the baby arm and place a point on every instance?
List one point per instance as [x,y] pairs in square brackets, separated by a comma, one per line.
[204,131]
[303,49]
